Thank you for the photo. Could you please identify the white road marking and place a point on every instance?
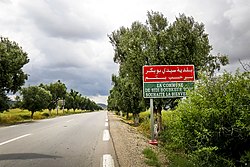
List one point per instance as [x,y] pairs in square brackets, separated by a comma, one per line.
[106,120]
[8,141]
[106,135]
[69,120]
[106,124]
[108,161]
[12,126]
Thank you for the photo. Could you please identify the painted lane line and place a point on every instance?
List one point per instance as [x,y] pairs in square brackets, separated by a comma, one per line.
[8,141]
[12,126]
[106,135]
[106,124]
[107,120]
[69,120]
[108,161]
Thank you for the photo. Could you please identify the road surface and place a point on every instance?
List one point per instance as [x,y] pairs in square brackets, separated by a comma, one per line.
[76,140]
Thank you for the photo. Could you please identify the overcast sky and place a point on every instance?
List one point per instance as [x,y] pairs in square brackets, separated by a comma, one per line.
[67,39]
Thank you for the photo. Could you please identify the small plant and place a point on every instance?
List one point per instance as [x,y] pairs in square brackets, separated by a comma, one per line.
[152,159]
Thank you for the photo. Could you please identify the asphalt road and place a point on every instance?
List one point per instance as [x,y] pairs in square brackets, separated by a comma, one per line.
[69,141]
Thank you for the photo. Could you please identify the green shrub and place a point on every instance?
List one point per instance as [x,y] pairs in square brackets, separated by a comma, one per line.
[25,116]
[152,159]
[207,156]
[215,115]
[9,119]
[144,116]
[245,159]
[46,115]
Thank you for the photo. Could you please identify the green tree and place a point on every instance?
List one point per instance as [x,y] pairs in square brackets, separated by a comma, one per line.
[35,98]
[160,43]
[58,91]
[213,123]
[68,101]
[12,59]
[130,52]
[75,99]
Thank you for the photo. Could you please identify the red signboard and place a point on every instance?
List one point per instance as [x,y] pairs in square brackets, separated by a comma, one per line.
[168,73]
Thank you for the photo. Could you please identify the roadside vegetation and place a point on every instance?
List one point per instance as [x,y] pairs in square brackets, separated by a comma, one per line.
[211,126]
[151,157]
[16,116]
[157,42]
[43,98]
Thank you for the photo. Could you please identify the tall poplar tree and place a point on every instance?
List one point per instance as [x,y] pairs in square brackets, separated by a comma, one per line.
[159,43]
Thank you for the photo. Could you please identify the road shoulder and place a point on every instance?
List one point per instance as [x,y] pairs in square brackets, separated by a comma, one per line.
[128,142]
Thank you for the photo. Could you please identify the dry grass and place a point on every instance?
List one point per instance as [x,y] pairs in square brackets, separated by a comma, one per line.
[14,116]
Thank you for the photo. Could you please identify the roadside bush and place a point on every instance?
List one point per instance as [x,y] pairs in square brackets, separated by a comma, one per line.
[213,123]
[46,115]
[9,119]
[144,116]
[25,116]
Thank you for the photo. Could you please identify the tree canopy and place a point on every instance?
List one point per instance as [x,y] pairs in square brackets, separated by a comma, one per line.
[58,91]
[157,42]
[12,77]
[35,98]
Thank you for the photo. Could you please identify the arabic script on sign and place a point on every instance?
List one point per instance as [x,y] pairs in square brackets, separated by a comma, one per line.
[168,73]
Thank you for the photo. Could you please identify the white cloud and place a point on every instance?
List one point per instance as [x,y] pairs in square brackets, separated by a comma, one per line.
[67,40]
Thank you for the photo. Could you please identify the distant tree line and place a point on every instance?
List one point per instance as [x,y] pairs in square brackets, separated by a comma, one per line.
[53,96]
[33,98]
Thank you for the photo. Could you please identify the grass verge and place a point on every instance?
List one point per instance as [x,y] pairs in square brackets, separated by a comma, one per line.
[15,116]
[151,157]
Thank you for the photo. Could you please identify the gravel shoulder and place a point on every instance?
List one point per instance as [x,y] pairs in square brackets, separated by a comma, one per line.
[128,143]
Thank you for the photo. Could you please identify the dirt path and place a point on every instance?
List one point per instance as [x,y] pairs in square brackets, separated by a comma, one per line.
[128,143]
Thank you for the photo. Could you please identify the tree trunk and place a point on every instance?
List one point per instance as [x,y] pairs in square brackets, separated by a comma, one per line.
[32,113]
[57,107]
[63,105]
[50,112]
[159,117]
[136,119]
[127,115]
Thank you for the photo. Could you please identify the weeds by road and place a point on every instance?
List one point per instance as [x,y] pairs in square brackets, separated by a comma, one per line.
[15,116]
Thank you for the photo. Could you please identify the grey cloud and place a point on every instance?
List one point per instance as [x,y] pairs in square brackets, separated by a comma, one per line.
[67,40]
[229,31]
[239,18]
[89,82]
[59,20]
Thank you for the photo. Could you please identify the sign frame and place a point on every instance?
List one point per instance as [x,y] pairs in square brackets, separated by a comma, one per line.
[168,74]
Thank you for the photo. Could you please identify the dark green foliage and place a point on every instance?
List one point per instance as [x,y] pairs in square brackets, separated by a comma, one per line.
[213,123]
[12,59]
[35,98]
[12,77]
[156,43]
[58,91]
[46,115]
[74,100]
[152,159]
[3,102]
